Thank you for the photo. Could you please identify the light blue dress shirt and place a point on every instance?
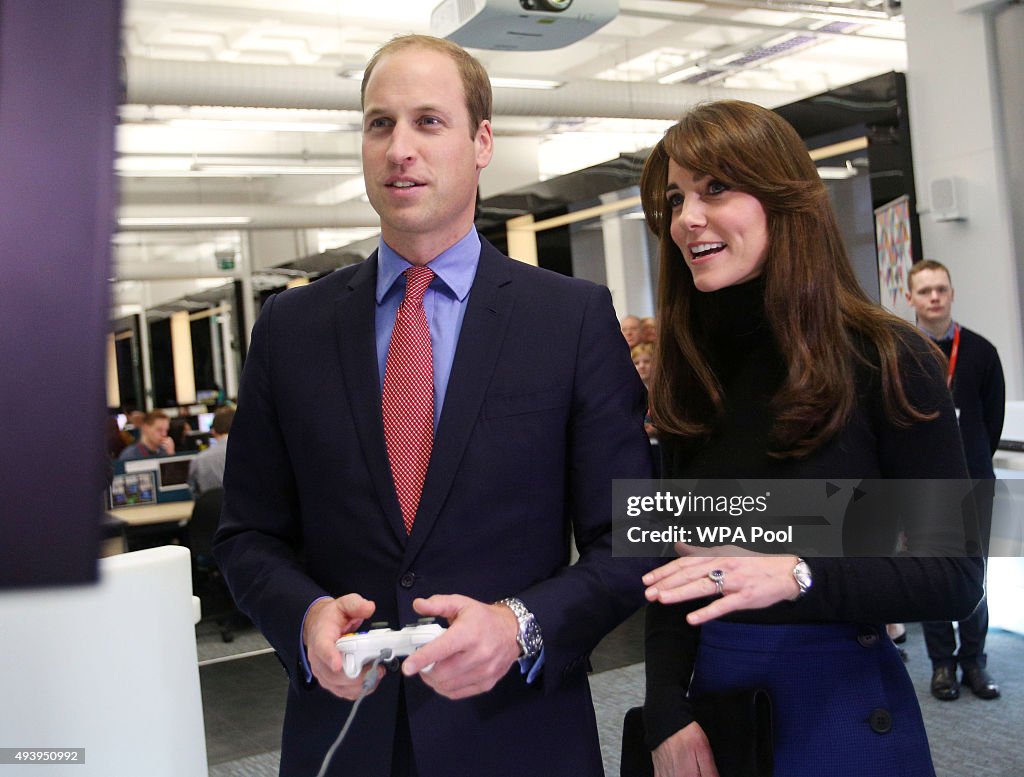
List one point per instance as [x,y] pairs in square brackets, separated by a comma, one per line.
[444,304]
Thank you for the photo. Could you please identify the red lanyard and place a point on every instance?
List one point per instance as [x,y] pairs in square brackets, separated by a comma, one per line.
[953,355]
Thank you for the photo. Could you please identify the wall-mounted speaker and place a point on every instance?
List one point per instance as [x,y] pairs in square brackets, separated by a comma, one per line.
[948,203]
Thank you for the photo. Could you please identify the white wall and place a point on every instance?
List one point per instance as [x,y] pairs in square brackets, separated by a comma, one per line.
[954,123]
[513,165]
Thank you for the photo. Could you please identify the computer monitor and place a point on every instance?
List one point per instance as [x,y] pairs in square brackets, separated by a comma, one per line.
[205,421]
[174,472]
[134,488]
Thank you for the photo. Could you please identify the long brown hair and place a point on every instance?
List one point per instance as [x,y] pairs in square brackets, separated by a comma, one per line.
[817,312]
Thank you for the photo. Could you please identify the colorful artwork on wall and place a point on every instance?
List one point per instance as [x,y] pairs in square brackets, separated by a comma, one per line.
[895,256]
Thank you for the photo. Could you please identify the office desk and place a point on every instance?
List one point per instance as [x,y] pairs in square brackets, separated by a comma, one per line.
[145,515]
[148,526]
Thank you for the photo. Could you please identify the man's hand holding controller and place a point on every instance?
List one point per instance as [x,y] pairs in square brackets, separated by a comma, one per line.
[473,654]
[467,659]
[325,622]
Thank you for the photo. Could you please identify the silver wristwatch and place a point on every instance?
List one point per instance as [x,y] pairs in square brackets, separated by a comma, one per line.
[802,573]
[529,637]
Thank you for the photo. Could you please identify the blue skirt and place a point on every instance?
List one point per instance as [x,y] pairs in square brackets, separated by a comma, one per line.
[842,701]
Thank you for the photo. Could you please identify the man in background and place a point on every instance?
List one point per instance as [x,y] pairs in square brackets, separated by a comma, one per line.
[630,327]
[133,423]
[153,438]
[206,471]
[976,379]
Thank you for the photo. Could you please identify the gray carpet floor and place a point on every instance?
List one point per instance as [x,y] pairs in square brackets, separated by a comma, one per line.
[243,705]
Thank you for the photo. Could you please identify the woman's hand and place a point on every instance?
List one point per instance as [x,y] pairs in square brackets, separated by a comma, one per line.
[685,754]
[749,581]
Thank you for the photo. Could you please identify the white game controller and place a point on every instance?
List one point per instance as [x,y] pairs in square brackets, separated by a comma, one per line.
[358,650]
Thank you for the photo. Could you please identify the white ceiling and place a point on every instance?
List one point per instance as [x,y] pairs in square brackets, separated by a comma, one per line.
[224,64]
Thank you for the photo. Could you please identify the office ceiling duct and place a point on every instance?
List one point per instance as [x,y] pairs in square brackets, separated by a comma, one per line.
[172,82]
[350,214]
[879,10]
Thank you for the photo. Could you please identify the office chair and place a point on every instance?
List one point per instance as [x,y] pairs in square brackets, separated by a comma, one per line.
[207,582]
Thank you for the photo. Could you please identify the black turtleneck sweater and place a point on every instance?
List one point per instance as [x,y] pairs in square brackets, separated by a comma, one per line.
[745,356]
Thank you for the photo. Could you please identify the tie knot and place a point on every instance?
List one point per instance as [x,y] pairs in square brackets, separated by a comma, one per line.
[417,279]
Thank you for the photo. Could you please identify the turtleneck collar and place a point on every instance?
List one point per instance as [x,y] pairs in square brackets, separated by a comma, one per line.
[733,312]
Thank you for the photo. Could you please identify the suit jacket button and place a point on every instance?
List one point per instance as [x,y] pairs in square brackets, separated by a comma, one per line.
[880,721]
[867,640]
[408,580]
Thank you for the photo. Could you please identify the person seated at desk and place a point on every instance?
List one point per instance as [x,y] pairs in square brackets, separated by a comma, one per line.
[153,439]
[133,424]
[206,471]
[117,440]
[180,431]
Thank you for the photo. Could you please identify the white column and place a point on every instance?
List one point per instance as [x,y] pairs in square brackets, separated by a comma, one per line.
[146,359]
[248,311]
[227,337]
[113,389]
[954,122]
[627,260]
[216,350]
[181,357]
[514,164]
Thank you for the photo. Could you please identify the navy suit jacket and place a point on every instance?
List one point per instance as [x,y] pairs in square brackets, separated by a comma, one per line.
[543,410]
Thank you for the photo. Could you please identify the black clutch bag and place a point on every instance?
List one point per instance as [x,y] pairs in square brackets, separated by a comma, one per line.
[738,726]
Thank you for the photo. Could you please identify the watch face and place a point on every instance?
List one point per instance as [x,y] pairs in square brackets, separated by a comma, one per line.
[529,635]
[802,573]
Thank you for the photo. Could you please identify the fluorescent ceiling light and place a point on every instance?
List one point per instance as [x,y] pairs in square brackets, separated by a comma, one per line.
[181,221]
[168,174]
[278,169]
[680,75]
[231,171]
[723,61]
[248,125]
[498,83]
[525,83]
[155,165]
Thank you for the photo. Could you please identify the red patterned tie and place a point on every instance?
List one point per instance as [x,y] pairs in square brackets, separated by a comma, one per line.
[408,401]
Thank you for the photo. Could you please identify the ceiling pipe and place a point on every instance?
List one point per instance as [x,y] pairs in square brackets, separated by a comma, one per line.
[351,214]
[171,271]
[837,12]
[722,21]
[172,82]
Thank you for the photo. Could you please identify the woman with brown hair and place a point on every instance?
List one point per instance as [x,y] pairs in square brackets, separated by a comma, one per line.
[772,363]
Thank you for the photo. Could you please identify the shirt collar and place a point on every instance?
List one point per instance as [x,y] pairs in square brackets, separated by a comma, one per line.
[456,266]
[947,336]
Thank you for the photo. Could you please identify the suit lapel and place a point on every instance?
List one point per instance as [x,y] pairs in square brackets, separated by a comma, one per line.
[483,330]
[355,312]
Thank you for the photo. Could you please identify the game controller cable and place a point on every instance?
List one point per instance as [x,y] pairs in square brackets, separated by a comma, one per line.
[369,681]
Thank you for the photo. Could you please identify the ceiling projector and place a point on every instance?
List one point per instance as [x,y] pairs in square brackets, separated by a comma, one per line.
[520,25]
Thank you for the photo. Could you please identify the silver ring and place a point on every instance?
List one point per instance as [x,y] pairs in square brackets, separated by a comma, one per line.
[717,576]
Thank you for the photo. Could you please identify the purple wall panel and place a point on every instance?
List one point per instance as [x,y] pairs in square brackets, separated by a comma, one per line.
[59,90]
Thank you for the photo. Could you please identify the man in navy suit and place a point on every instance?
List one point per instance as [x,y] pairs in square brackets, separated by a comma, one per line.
[536,408]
